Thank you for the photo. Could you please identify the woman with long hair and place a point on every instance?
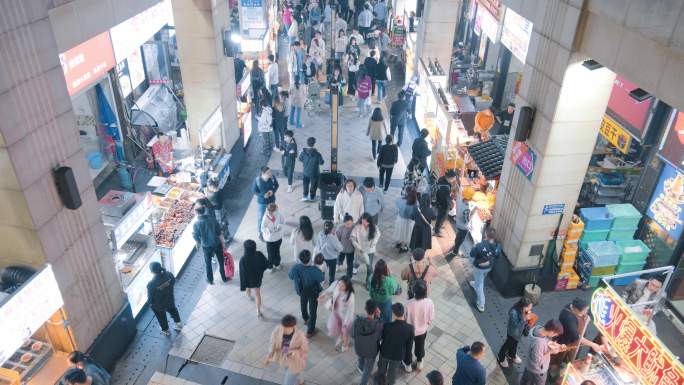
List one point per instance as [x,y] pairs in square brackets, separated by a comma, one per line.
[404,223]
[265,127]
[365,237]
[420,312]
[376,131]
[340,46]
[337,81]
[257,82]
[298,93]
[353,48]
[272,231]
[364,86]
[518,316]
[421,236]
[302,237]
[252,266]
[382,287]
[352,69]
[341,305]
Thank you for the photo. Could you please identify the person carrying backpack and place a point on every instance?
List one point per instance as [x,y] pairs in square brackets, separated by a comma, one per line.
[419,269]
[482,257]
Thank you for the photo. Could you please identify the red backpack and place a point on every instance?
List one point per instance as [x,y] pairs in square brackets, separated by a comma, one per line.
[228,264]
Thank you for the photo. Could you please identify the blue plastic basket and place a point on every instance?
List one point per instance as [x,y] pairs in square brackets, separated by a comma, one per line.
[596,218]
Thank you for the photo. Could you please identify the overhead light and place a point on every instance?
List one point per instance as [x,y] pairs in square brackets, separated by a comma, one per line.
[639,94]
[592,64]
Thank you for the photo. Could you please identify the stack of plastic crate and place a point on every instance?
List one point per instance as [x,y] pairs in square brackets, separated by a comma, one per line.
[600,259]
[633,254]
[597,224]
[625,221]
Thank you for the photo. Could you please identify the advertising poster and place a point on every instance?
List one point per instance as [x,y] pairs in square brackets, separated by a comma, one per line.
[626,109]
[667,202]
[489,25]
[524,158]
[516,34]
[615,134]
[252,14]
[673,146]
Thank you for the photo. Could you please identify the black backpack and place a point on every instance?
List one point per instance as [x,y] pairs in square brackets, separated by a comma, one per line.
[412,281]
[486,256]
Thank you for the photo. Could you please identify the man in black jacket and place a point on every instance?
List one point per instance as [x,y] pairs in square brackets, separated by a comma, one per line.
[388,157]
[370,63]
[420,151]
[161,299]
[443,201]
[397,339]
[398,115]
[207,234]
[367,332]
[311,163]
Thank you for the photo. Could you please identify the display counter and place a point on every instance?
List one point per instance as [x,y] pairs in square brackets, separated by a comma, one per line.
[632,353]
[34,333]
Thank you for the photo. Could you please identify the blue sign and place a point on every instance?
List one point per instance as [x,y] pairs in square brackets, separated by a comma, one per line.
[667,202]
[251,3]
[555,208]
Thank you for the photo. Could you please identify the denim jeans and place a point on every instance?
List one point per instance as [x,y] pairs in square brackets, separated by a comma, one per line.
[261,210]
[366,366]
[479,276]
[385,311]
[382,89]
[350,262]
[296,116]
[291,378]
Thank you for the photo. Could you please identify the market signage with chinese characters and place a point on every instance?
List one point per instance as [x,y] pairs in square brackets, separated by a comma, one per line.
[667,203]
[524,158]
[27,310]
[128,36]
[488,24]
[652,363]
[87,62]
[516,34]
[615,134]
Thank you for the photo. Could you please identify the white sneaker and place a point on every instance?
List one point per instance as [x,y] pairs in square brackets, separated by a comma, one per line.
[355,270]
[472,284]
[178,327]
[419,365]
[289,188]
[517,359]
[304,199]
[272,270]
[166,332]
[504,363]
[480,308]
[407,368]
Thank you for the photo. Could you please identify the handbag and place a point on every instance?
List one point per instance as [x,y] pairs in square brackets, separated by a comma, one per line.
[423,217]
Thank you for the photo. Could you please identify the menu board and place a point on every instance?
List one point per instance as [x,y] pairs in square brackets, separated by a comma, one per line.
[27,310]
[667,202]
[488,24]
[516,34]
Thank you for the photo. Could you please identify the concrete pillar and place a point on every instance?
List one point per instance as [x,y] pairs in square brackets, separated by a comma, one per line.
[226,70]
[205,71]
[37,132]
[436,30]
[570,102]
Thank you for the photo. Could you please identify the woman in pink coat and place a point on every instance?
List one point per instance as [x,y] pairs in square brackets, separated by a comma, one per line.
[339,296]
[290,349]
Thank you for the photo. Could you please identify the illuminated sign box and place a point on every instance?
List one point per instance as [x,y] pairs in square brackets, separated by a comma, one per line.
[516,34]
[87,62]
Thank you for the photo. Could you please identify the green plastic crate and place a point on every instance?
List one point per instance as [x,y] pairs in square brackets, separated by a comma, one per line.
[632,251]
[583,245]
[621,235]
[630,267]
[626,216]
[594,235]
[594,280]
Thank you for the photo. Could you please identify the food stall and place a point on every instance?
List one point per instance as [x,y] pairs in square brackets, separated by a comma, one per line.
[35,338]
[634,354]
[150,227]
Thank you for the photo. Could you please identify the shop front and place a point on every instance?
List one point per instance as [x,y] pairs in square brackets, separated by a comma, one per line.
[632,354]
[35,337]
[86,72]
[258,28]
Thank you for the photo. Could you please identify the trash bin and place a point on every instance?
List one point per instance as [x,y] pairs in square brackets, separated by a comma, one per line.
[329,185]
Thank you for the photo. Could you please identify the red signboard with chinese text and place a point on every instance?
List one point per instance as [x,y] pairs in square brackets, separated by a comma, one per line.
[627,109]
[87,62]
[649,360]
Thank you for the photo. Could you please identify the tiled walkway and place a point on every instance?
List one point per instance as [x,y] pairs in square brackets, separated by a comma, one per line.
[223,311]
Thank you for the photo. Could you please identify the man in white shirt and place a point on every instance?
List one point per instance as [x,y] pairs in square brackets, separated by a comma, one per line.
[355,34]
[381,12]
[273,76]
[340,24]
[365,20]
